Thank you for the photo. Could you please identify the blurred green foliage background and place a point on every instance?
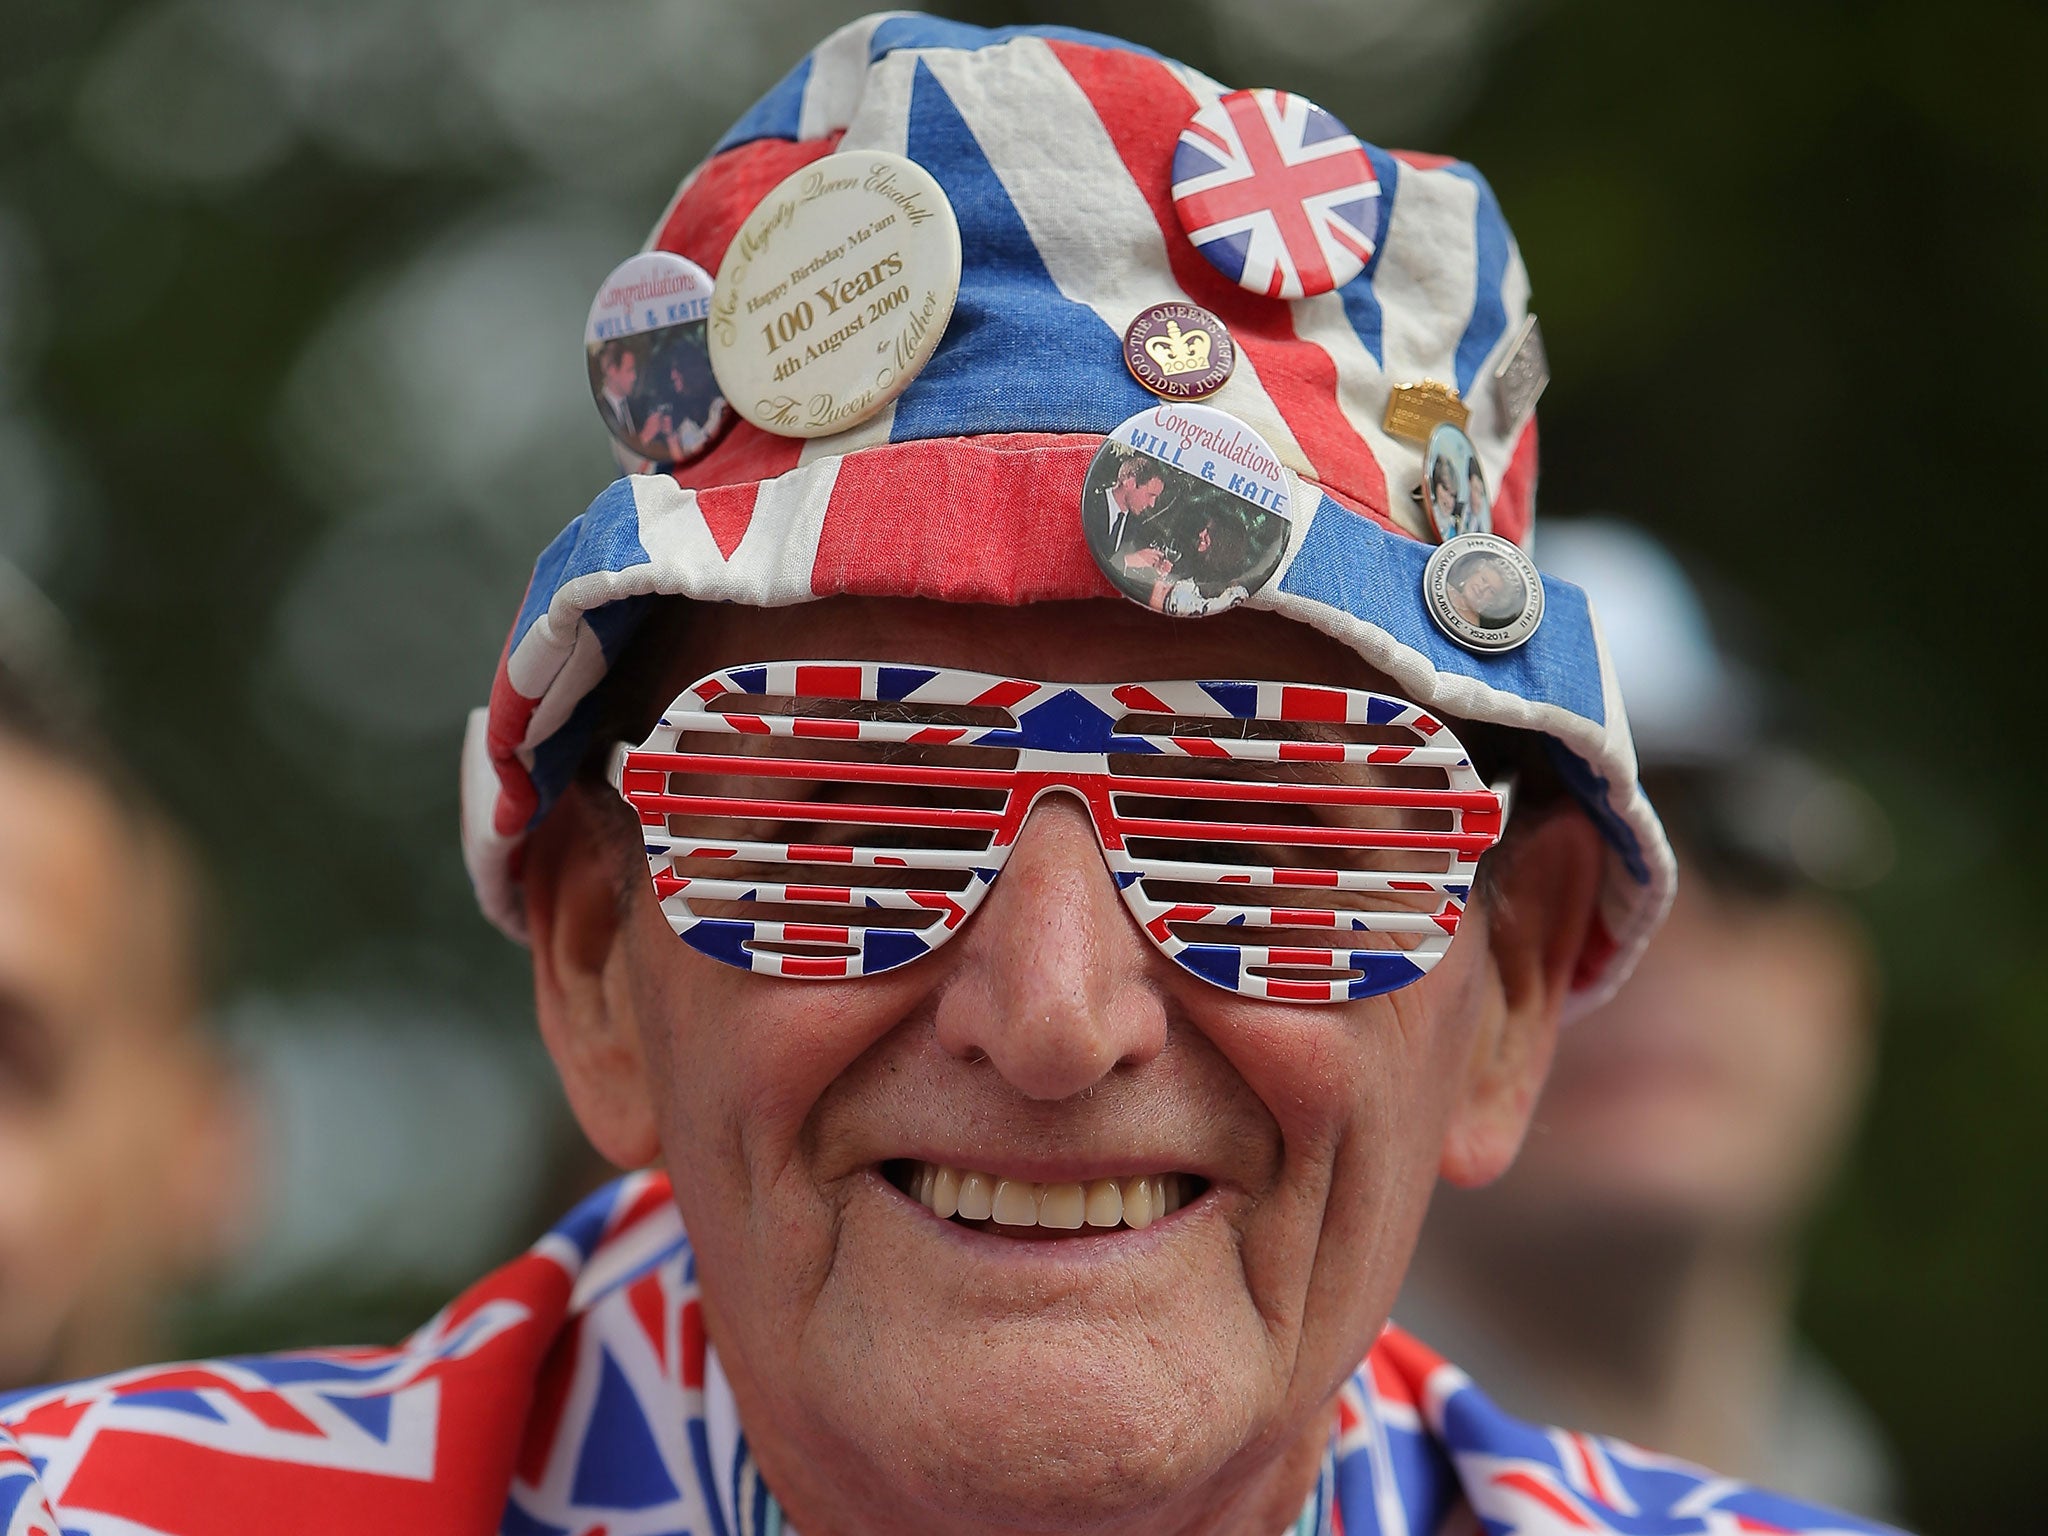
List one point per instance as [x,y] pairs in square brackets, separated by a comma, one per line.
[290,394]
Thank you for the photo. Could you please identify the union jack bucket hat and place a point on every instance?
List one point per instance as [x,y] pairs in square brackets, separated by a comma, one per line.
[1057,149]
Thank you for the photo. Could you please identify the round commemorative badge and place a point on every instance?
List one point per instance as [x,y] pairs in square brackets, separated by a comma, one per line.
[649,372]
[1179,351]
[1483,592]
[834,293]
[1276,193]
[1453,485]
[1185,510]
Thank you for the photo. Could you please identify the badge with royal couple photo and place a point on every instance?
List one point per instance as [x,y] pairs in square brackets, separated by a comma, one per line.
[649,371]
[1185,509]
[834,293]
[1179,351]
[1453,485]
[1483,592]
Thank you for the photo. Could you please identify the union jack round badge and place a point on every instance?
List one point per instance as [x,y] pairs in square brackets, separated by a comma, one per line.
[1277,194]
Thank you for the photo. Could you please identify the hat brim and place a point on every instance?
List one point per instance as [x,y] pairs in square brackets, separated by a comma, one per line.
[995,519]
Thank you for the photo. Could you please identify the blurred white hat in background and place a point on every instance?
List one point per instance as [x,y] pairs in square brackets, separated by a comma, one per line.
[1688,703]
[1738,787]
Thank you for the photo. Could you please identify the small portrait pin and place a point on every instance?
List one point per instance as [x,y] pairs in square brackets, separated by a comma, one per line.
[1483,592]
[1454,490]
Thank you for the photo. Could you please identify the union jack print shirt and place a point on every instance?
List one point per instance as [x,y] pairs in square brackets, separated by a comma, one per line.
[573,1393]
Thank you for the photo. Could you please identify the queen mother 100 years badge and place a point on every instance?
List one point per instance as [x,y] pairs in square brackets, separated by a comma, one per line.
[834,293]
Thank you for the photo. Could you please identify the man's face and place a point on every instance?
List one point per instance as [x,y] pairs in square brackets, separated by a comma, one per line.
[1090,1373]
[101,1083]
[1141,493]
[621,374]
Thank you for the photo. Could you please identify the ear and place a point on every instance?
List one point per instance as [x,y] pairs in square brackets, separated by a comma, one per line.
[1538,915]
[580,983]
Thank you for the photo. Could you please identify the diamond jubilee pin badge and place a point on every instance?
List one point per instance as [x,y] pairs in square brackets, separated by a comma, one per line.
[1483,592]
[1279,196]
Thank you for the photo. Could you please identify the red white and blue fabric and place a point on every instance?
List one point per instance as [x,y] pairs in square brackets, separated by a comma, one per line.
[575,1391]
[1367,920]
[1056,150]
[1280,196]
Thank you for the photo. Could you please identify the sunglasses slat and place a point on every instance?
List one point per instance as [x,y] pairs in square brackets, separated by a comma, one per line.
[696,846]
[794,727]
[826,769]
[1480,802]
[1193,872]
[1469,845]
[1293,917]
[895,898]
[1254,750]
[743,809]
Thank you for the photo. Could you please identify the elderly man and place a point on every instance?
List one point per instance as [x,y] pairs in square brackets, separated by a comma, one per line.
[1045,1014]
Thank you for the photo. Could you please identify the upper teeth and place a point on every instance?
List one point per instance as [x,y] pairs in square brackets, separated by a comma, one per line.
[1134,1202]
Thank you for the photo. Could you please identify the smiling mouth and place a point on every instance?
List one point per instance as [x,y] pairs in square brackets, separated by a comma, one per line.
[1020,1208]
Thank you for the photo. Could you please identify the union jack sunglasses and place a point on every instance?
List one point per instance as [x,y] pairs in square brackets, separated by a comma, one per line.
[838,819]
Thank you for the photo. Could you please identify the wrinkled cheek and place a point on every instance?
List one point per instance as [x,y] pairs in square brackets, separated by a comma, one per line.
[1315,1089]
[1363,1119]
[738,1064]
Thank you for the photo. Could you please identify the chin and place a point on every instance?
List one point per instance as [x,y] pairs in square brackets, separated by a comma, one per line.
[1051,1458]
[1048,1424]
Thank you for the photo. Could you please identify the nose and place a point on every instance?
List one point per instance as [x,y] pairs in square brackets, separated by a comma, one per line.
[1051,987]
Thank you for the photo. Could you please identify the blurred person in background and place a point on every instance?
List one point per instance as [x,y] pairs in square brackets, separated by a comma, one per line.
[1636,1270]
[120,1129]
